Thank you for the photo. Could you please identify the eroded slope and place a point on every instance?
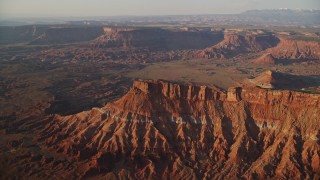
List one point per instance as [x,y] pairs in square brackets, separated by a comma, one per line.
[160,129]
[235,44]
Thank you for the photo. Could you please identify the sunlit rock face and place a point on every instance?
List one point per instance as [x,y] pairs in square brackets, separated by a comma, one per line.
[163,129]
[235,44]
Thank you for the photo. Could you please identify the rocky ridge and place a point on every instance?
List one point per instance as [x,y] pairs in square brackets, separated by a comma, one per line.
[156,38]
[278,80]
[296,49]
[265,59]
[235,44]
[289,49]
[64,35]
[162,129]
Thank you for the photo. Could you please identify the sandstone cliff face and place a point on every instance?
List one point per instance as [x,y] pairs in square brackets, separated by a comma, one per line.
[296,49]
[167,130]
[234,44]
[155,38]
[289,49]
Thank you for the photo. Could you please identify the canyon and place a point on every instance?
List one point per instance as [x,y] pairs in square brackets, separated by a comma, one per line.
[195,131]
[174,102]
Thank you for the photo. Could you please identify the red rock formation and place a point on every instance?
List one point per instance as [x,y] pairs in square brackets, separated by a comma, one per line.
[234,44]
[296,49]
[265,59]
[271,79]
[162,129]
[266,80]
[289,49]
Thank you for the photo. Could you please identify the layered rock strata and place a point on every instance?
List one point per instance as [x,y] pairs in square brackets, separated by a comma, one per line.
[168,130]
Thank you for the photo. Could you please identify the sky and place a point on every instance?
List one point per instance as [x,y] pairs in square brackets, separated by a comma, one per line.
[85,8]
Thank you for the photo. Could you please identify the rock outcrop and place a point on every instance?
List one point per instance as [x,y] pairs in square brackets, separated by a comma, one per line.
[235,44]
[265,59]
[156,38]
[296,49]
[162,129]
[272,79]
[289,49]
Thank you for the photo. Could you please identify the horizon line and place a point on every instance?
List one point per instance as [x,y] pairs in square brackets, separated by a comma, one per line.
[25,16]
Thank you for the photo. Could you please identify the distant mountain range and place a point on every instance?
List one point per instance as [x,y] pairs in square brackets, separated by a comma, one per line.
[283,11]
[284,16]
[268,17]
